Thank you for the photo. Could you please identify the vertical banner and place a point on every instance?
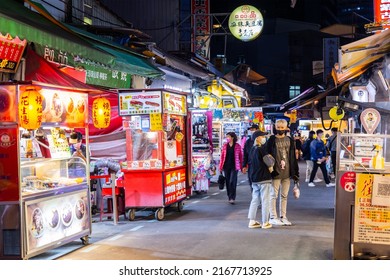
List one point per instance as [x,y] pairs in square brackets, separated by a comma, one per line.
[200,39]
[382,13]
[331,47]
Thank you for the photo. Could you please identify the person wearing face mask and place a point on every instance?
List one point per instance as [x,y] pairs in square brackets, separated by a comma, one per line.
[247,147]
[282,149]
[230,164]
[260,174]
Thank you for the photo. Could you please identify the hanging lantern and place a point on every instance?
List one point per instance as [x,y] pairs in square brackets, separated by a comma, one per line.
[30,108]
[101,112]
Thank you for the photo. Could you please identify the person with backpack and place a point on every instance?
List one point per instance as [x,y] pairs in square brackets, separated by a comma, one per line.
[318,157]
[307,157]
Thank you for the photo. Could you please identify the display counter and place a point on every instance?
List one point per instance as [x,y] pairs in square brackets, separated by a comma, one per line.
[362,201]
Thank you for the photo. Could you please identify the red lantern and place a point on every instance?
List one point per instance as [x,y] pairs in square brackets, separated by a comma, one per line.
[30,108]
[101,112]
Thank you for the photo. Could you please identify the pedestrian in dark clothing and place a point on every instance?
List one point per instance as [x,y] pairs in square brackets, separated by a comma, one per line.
[247,147]
[318,157]
[332,146]
[231,163]
[307,157]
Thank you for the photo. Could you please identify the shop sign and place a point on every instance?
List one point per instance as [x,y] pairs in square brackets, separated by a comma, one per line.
[371,224]
[53,219]
[370,119]
[8,104]
[382,13]
[135,103]
[11,51]
[175,103]
[348,181]
[175,186]
[201,24]
[100,76]
[64,107]
[96,74]
[9,170]
[246,23]
[155,122]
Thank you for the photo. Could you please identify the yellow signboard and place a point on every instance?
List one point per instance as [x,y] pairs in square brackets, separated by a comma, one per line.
[155,121]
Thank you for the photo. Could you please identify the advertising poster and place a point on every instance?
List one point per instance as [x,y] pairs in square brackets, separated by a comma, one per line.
[372,222]
[143,102]
[48,221]
[8,104]
[175,186]
[175,104]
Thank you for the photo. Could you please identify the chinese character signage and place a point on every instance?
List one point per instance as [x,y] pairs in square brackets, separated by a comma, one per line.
[331,47]
[382,12]
[175,186]
[200,9]
[246,23]
[11,51]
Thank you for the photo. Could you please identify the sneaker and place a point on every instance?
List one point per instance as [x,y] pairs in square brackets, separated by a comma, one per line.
[254,225]
[266,225]
[275,222]
[330,185]
[317,180]
[307,180]
[311,184]
[285,222]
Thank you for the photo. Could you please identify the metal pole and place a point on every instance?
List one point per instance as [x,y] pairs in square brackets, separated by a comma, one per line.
[114,202]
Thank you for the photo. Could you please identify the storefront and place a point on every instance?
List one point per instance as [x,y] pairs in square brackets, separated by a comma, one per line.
[45,195]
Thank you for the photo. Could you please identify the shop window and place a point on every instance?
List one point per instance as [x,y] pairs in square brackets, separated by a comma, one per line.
[87,8]
[294,91]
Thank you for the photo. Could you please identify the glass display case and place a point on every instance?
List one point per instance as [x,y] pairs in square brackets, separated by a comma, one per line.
[362,206]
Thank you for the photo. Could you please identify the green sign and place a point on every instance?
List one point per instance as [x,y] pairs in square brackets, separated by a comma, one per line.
[106,77]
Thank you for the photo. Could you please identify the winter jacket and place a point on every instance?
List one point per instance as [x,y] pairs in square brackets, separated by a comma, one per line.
[247,148]
[271,149]
[259,171]
[317,149]
[306,149]
[237,156]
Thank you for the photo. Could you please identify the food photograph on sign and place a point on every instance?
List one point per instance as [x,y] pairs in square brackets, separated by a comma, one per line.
[131,103]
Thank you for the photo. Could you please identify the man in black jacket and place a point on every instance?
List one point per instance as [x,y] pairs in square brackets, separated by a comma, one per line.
[247,147]
[282,149]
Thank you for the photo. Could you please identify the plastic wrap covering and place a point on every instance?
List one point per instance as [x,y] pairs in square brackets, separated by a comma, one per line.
[112,165]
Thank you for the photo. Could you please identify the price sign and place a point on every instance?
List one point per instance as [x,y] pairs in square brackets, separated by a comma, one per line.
[155,121]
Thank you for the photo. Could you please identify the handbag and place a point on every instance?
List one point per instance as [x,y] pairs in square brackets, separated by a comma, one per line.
[221,181]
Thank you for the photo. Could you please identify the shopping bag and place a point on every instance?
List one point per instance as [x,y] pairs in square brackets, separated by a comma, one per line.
[296,190]
[221,181]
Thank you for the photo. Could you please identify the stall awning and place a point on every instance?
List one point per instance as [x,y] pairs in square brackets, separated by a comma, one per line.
[355,58]
[243,73]
[313,99]
[304,95]
[19,21]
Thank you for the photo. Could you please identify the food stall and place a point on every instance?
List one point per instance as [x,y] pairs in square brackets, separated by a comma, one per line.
[45,196]
[202,167]
[156,169]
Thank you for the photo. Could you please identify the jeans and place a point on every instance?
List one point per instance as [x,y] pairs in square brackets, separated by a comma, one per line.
[231,183]
[323,169]
[282,185]
[260,192]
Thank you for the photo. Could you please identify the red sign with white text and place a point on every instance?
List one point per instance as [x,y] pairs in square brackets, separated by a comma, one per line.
[382,13]
[175,186]
[11,51]
[9,171]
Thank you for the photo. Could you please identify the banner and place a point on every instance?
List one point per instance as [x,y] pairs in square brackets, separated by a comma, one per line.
[200,40]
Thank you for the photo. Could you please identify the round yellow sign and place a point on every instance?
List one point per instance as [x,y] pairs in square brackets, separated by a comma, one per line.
[246,23]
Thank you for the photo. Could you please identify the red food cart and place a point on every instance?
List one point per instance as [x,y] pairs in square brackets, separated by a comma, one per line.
[156,170]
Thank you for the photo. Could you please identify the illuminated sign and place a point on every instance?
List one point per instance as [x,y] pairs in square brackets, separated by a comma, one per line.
[382,13]
[11,51]
[246,23]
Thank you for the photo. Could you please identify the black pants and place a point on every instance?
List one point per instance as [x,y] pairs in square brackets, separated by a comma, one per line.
[249,178]
[323,169]
[231,183]
[333,159]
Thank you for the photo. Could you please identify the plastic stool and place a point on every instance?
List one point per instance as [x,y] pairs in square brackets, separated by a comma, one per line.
[120,201]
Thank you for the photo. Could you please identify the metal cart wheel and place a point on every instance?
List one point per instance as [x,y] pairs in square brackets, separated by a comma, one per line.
[85,240]
[180,206]
[159,214]
[131,214]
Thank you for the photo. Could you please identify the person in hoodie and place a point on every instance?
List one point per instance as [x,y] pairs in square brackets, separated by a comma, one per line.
[230,164]
[260,175]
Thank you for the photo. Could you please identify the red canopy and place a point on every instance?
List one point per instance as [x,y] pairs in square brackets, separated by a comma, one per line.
[40,70]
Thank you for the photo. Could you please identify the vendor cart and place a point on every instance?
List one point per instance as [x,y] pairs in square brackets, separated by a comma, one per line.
[156,169]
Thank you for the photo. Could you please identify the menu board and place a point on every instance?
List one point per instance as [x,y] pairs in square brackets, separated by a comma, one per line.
[371,223]
[175,103]
[11,51]
[141,102]
[175,186]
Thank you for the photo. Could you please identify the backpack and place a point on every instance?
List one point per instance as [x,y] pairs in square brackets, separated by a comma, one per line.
[306,148]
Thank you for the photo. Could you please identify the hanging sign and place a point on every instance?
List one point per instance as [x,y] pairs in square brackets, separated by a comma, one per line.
[246,23]
[370,119]
[11,51]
